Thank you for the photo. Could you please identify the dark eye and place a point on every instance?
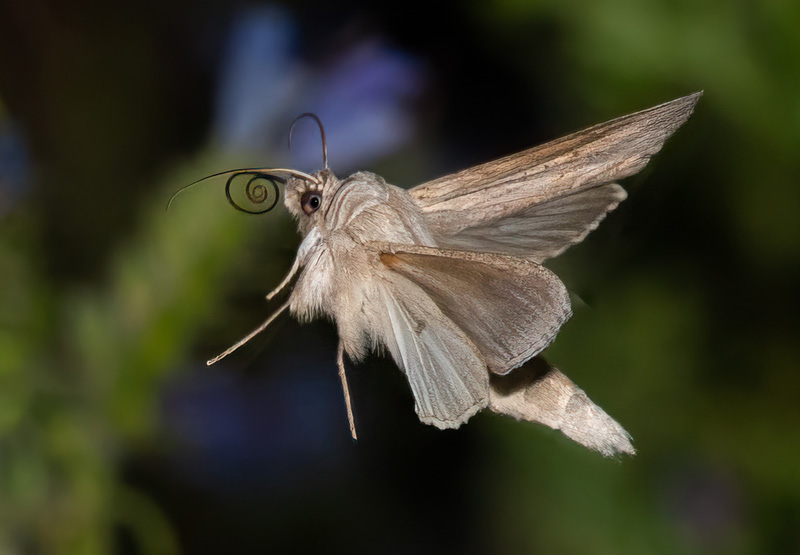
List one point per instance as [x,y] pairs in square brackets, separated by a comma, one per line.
[310,202]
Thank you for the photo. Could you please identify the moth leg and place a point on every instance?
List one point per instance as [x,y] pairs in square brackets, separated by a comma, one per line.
[286,280]
[250,336]
[346,390]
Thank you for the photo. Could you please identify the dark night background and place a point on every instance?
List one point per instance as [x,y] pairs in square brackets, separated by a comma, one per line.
[116,438]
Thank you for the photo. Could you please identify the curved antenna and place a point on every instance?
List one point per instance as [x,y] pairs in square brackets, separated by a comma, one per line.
[321,133]
[294,173]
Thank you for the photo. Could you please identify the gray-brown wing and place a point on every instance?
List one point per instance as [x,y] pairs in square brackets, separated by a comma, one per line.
[510,308]
[563,169]
[542,230]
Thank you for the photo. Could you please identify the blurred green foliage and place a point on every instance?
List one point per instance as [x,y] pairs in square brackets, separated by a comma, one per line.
[690,336]
[81,370]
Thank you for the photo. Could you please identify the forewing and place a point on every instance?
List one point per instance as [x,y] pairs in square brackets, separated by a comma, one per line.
[543,230]
[510,308]
[509,187]
[447,375]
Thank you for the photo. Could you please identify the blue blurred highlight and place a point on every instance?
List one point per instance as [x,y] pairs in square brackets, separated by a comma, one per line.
[364,96]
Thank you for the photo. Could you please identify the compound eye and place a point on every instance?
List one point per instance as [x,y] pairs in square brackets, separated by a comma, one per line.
[310,202]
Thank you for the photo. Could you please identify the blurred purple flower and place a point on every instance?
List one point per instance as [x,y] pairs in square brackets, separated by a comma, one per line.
[237,431]
[364,97]
[258,78]
[705,504]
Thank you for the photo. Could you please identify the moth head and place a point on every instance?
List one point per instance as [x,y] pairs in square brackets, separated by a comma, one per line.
[308,199]
[257,190]
[306,196]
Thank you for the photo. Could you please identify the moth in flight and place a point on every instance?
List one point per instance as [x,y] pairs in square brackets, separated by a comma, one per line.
[448,277]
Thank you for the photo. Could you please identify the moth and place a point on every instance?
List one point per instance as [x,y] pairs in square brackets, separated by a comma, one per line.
[447,277]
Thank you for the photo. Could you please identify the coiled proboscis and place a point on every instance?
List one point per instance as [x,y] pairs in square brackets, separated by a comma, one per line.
[260,193]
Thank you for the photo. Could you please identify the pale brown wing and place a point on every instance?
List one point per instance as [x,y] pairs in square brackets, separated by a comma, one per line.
[566,169]
[510,308]
[542,230]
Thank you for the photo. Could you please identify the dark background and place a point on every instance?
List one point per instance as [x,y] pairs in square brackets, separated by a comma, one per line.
[116,438]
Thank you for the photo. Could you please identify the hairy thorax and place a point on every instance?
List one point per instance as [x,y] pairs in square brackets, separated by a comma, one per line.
[343,277]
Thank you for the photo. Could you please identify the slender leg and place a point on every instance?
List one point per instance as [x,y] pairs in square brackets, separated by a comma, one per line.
[343,378]
[250,336]
[286,280]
